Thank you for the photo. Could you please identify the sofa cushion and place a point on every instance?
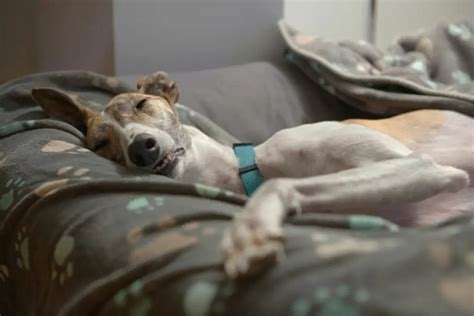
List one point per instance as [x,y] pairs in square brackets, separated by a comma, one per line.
[253,101]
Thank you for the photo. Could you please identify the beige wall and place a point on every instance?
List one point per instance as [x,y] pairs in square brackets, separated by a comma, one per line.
[47,35]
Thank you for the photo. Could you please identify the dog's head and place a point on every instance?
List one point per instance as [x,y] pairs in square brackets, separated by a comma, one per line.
[135,129]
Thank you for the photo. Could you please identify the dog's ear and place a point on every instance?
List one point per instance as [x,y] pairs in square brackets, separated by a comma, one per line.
[58,104]
[159,84]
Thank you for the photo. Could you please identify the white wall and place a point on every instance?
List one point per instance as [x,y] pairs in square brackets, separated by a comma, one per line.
[331,19]
[398,17]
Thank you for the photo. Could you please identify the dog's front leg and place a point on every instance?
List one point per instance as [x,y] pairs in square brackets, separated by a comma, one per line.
[254,240]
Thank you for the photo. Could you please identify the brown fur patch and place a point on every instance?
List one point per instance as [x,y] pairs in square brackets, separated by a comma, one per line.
[102,134]
[102,139]
[408,128]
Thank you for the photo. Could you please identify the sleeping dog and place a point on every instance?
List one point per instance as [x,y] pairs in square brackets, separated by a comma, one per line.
[327,166]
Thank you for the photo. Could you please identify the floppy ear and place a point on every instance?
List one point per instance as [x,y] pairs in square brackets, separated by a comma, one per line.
[58,104]
[159,84]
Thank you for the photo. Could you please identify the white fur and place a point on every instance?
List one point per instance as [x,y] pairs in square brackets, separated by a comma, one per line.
[326,166]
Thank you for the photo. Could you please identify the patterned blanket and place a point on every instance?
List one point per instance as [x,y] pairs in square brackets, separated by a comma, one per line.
[81,235]
[430,69]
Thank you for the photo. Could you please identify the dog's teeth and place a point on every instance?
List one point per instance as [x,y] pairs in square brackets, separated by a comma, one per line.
[167,159]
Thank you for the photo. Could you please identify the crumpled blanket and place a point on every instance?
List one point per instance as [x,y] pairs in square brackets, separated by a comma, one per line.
[429,69]
[81,235]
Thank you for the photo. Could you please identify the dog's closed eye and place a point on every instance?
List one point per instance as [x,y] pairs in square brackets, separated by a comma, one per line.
[101,144]
[140,104]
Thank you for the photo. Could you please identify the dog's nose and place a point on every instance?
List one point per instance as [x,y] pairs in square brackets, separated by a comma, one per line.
[143,150]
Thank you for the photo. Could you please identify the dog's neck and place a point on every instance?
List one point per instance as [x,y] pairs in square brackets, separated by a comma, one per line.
[207,161]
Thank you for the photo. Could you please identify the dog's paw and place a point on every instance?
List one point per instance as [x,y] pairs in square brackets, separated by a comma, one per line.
[249,247]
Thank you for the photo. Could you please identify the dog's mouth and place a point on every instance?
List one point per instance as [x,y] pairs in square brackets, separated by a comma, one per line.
[167,162]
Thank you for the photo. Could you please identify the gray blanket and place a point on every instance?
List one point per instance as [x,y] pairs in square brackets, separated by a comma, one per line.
[81,235]
[430,69]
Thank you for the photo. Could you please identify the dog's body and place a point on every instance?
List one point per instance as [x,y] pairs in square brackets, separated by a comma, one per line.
[328,166]
[299,152]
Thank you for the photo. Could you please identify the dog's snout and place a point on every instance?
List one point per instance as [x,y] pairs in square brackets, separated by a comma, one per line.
[143,150]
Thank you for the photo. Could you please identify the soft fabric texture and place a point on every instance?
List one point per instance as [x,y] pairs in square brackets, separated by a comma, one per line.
[430,69]
[81,235]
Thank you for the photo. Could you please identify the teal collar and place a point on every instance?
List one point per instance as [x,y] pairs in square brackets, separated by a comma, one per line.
[248,170]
